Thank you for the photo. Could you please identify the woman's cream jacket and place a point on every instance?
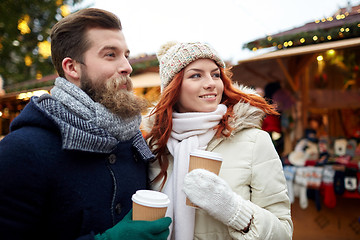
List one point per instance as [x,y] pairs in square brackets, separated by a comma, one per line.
[254,171]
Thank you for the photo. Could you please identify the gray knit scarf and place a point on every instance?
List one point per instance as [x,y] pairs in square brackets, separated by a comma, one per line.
[87,125]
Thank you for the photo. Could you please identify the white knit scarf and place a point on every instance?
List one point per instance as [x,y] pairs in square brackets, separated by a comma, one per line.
[192,130]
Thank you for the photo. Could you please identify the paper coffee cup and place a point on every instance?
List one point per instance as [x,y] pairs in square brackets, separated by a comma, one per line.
[207,160]
[149,205]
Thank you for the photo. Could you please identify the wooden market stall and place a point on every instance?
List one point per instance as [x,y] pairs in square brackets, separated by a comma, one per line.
[317,79]
[323,78]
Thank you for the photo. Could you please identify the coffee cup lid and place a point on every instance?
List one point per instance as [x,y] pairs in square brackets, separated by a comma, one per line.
[207,154]
[151,198]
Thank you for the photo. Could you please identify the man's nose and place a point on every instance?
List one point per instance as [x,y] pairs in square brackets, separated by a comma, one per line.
[124,67]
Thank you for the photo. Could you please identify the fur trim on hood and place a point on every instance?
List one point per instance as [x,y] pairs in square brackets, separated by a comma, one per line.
[245,115]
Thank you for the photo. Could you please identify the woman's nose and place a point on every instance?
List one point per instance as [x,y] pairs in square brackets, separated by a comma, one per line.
[209,83]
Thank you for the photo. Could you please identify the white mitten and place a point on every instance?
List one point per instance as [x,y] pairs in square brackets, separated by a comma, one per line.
[211,193]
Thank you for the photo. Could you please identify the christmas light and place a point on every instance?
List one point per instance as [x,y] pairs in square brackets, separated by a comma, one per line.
[16,43]
[27,60]
[28,95]
[330,52]
[65,10]
[346,31]
[44,49]
[23,25]
[59,2]
[39,75]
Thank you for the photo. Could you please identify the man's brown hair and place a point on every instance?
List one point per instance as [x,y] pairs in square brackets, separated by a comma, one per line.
[68,36]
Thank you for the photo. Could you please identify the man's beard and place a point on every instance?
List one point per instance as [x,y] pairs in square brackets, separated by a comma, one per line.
[120,101]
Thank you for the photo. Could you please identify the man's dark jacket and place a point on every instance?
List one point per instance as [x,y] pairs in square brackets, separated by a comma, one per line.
[50,193]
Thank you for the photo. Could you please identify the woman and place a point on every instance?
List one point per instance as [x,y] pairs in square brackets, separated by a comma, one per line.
[200,109]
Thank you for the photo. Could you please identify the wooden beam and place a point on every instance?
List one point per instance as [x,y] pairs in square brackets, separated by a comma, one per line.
[297,67]
[287,75]
[305,97]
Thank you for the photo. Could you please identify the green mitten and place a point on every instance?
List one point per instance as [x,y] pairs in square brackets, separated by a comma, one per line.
[137,230]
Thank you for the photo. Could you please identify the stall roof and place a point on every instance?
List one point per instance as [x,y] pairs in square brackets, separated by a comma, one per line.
[146,79]
[320,47]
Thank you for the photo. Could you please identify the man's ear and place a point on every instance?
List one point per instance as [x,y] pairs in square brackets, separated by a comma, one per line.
[72,70]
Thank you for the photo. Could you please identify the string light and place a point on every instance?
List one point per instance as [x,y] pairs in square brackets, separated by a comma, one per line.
[65,10]
[23,25]
[59,2]
[330,52]
[39,75]
[28,61]
[318,36]
[28,95]
[44,49]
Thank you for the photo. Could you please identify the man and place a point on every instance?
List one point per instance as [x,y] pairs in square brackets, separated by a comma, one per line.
[74,158]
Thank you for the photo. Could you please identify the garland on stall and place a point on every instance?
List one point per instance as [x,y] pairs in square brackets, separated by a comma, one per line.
[346,31]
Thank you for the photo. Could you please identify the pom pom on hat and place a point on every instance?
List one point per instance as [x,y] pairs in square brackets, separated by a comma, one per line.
[164,48]
[173,57]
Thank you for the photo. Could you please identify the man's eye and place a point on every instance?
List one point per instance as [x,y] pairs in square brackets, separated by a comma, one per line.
[110,55]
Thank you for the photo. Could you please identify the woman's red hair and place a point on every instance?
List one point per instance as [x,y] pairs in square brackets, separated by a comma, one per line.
[160,132]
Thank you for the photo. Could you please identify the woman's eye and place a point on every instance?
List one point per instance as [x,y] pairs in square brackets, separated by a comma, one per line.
[197,75]
[216,75]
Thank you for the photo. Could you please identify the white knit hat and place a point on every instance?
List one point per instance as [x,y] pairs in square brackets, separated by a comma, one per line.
[175,56]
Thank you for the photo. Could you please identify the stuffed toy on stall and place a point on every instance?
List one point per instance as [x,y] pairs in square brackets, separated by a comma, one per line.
[303,151]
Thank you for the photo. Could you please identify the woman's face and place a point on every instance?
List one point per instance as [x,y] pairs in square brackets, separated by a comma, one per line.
[202,88]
